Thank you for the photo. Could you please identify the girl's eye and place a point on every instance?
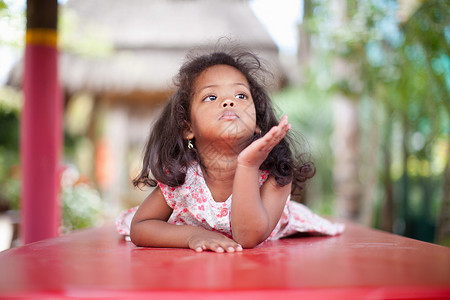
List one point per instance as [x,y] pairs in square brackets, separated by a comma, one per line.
[241,96]
[209,98]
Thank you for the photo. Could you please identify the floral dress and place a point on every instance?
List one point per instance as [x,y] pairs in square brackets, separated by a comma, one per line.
[193,204]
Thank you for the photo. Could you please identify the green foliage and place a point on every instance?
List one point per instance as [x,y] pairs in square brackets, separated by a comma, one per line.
[10,103]
[9,135]
[9,182]
[396,58]
[12,24]
[3,5]
[82,204]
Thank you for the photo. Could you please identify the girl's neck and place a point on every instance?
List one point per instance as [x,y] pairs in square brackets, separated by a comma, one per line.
[219,167]
[219,179]
[219,156]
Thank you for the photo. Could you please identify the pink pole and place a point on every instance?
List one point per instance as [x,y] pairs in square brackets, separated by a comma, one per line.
[41,139]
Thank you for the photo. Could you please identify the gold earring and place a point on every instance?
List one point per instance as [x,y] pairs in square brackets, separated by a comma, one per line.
[190,145]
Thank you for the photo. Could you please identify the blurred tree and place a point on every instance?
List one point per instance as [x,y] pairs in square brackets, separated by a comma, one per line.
[418,102]
[304,44]
[346,136]
[391,69]
[427,49]
[443,224]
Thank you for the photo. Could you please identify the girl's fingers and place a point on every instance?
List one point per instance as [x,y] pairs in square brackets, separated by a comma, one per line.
[197,247]
[238,248]
[218,247]
[226,247]
[276,134]
[215,247]
[234,248]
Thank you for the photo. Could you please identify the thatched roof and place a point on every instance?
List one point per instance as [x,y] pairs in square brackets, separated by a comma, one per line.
[150,39]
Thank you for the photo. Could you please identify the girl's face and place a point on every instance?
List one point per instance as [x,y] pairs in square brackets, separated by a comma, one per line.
[222,107]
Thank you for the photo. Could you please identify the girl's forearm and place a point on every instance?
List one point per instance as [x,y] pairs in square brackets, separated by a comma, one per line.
[249,218]
[158,233]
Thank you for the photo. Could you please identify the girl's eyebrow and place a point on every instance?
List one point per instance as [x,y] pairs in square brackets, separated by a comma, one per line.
[215,85]
[243,84]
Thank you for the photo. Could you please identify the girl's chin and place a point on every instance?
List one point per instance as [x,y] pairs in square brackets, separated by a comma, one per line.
[234,136]
[235,129]
[229,139]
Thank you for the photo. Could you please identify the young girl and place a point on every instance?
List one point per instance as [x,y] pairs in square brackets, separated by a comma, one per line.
[223,165]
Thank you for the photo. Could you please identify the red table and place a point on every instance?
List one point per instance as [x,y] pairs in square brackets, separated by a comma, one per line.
[360,264]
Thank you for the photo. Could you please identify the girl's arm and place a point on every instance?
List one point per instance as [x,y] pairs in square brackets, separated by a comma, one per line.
[256,211]
[149,228]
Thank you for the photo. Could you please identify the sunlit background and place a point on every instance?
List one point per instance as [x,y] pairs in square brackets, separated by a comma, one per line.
[365,84]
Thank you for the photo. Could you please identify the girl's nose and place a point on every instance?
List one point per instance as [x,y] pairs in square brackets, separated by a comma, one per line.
[228,103]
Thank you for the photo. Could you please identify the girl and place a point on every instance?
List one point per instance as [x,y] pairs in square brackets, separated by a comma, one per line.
[223,164]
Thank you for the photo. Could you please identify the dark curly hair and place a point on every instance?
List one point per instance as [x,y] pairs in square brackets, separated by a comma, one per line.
[167,157]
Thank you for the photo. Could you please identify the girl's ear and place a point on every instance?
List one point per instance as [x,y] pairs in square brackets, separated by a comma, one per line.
[258,130]
[187,133]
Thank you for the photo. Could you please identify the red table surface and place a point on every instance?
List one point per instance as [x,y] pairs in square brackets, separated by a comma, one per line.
[96,263]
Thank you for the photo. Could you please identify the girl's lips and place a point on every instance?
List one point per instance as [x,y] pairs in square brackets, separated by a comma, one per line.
[229,115]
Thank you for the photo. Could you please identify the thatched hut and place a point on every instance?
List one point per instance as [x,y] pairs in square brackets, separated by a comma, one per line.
[128,84]
[149,39]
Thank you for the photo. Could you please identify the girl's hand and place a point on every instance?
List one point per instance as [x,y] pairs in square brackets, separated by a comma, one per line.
[214,241]
[255,154]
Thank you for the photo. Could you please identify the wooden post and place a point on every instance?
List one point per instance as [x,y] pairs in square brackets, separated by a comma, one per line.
[41,133]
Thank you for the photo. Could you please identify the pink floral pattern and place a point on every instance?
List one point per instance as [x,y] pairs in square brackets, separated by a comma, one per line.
[193,204]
